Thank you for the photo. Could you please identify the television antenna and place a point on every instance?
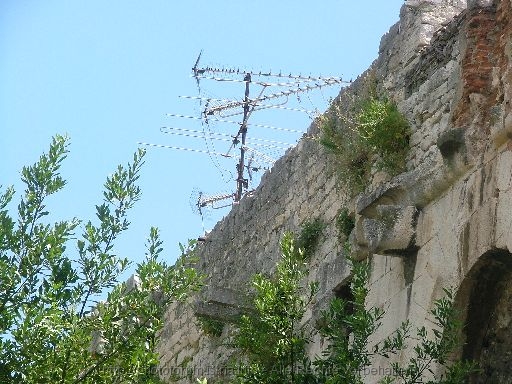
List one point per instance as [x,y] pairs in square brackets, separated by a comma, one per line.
[273,91]
[283,87]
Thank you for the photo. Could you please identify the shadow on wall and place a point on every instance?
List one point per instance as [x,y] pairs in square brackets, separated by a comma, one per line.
[485,298]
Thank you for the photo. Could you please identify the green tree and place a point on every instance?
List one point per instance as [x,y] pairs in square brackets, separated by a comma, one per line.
[433,348]
[53,328]
[348,326]
[273,339]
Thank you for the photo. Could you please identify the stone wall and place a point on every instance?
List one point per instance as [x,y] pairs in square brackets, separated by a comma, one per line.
[299,188]
[447,65]
[458,185]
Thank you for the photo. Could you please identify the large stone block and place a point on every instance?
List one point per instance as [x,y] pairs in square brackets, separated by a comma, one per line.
[398,230]
[480,3]
[222,303]
[391,231]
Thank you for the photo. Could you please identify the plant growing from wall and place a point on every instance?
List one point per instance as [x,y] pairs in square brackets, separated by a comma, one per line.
[435,348]
[362,130]
[351,158]
[385,131]
[210,326]
[344,223]
[273,340]
[309,237]
[348,326]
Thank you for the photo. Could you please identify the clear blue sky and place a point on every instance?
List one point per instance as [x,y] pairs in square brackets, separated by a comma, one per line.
[107,72]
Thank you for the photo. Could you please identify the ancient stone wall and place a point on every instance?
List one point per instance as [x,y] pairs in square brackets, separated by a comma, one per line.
[458,188]
[447,64]
[299,188]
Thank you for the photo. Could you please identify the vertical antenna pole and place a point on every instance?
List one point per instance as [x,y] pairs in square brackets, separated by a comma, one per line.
[240,181]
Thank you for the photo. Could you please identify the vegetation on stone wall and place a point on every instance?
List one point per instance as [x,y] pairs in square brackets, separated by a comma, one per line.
[362,131]
[352,159]
[273,339]
[344,224]
[210,326]
[434,347]
[385,131]
[309,236]
[348,326]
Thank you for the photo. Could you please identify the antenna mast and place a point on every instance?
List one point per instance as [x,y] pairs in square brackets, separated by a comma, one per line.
[241,182]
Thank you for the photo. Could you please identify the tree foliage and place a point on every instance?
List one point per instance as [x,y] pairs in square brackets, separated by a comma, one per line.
[53,326]
[348,326]
[273,340]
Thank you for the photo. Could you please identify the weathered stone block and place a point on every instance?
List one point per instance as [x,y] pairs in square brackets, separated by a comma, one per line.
[398,230]
[479,3]
[502,133]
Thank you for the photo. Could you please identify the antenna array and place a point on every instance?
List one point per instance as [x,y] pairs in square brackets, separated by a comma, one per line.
[272,92]
[297,84]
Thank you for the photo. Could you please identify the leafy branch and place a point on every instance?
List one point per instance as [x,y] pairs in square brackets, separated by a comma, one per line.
[52,327]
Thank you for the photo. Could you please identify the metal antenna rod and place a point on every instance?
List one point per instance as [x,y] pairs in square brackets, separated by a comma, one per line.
[183,132]
[264,157]
[234,104]
[201,71]
[203,201]
[244,124]
[219,136]
[261,106]
[184,149]
[240,181]
[235,122]
[274,84]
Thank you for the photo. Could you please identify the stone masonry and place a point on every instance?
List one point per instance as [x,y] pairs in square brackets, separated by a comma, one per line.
[447,65]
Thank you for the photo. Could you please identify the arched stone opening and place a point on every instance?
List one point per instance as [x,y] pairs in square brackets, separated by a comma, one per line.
[485,297]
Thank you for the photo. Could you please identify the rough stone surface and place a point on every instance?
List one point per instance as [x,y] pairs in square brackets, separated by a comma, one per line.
[299,188]
[445,222]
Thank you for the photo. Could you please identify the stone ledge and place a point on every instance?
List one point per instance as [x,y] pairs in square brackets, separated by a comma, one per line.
[222,304]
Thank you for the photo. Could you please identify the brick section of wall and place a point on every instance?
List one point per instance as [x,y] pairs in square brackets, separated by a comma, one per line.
[480,59]
[504,47]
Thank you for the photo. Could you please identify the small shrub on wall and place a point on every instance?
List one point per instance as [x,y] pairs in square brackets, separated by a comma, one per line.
[383,129]
[210,326]
[309,237]
[365,130]
[344,223]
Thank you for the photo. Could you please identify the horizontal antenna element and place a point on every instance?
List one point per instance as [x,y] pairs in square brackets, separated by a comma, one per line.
[223,136]
[183,149]
[236,122]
